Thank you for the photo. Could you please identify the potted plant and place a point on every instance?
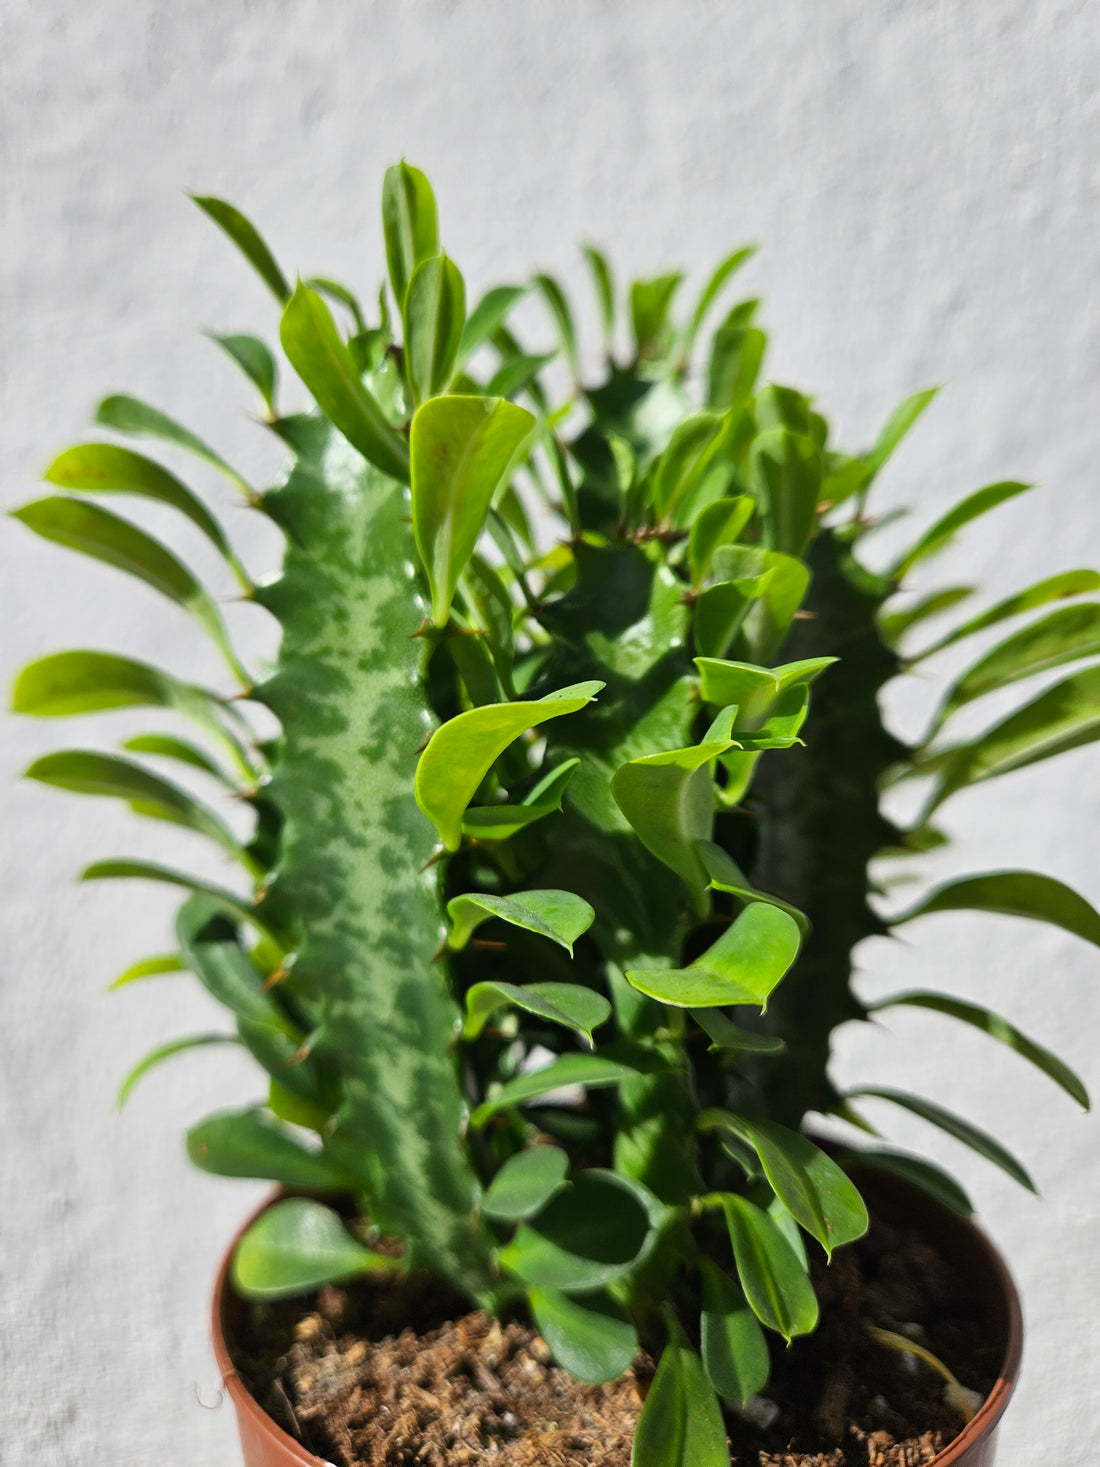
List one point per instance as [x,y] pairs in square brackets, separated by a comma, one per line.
[554,879]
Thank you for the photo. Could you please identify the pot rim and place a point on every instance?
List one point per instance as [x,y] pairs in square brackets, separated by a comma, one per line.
[983,1423]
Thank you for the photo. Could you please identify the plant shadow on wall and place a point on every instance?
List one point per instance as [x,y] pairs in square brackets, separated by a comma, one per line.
[555,876]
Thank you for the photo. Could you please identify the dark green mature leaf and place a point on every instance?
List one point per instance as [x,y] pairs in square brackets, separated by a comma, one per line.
[461,449]
[434,315]
[554,297]
[931,1179]
[734,1350]
[681,1422]
[498,822]
[317,353]
[955,1126]
[569,1004]
[132,416]
[490,312]
[605,291]
[1014,894]
[148,968]
[105,468]
[724,1034]
[743,966]
[525,1183]
[297,1245]
[897,426]
[718,524]
[940,535]
[410,224]
[786,470]
[589,1234]
[247,239]
[650,302]
[211,949]
[593,1071]
[594,1341]
[255,361]
[711,291]
[1054,588]
[991,1023]
[813,1189]
[126,869]
[249,1143]
[461,752]
[104,536]
[89,772]
[771,1275]
[1064,636]
[1061,718]
[166,1051]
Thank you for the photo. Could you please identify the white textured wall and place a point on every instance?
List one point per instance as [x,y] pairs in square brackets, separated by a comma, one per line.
[925,179]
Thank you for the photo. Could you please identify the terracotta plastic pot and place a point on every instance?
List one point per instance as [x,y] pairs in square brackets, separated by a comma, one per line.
[964,1246]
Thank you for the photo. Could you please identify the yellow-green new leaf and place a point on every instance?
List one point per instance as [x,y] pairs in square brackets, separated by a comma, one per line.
[148,968]
[743,966]
[247,238]
[593,1071]
[434,315]
[130,415]
[166,1051]
[560,915]
[298,1245]
[461,451]
[409,223]
[569,1004]
[498,822]
[461,752]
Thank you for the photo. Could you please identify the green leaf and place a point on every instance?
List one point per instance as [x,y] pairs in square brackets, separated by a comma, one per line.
[166,1051]
[137,419]
[605,292]
[897,426]
[594,1341]
[434,315]
[166,746]
[718,524]
[734,1350]
[688,457]
[525,1183]
[743,966]
[982,1018]
[813,1189]
[317,353]
[1061,718]
[1064,636]
[211,949]
[724,1034]
[771,614]
[227,901]
[736,356]
[89,772]
[148,968]
[554,297]
[490,312]
[1014,894]
[681,1422]
[589,1234]
[462,449]
[712,289]
[1054,588]
[104,468]
[775,1284]
[650,302]
[895,624]
[940,535]
[247,1143]
[341,294]
[409,223]
[570,1004]
[786,471]
[955,1126]
[516,374]
[725,875]
[593,1071]
[255,361]
[923,1174]
[498,822]
[720,612]
[752,689]
[298,1245]
[461,752]
[247,239]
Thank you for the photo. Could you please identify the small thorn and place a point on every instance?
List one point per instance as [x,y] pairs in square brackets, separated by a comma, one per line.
[437,855]
[281,972]
[485,945]
[805,616]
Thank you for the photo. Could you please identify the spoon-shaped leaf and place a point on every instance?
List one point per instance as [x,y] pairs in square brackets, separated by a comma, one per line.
[593,1071]
[650,303]
[681,1422]
[786,470]
[130,415]
[559,915]
[991,1023]
[106,468]
[1013,894]
[718,524]
[773,1279]
[298,1245]
[588,1234]
[318,354]
[435,313]
[106,537]
[962,1130]
[593,1340]
[248,240]
[569,1004]
[734,1350]
[461,451]
[525,1183]
[752,689]
[248,1143]
[461,752]
[409,223]
[743,966]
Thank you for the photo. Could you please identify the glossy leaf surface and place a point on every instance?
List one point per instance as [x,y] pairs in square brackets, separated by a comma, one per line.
[409,223]
[681,1421]
[771,1275]
[592,1339]
[594,1071]
[743,966]
[298,1245]
[569,1004]
[435,313]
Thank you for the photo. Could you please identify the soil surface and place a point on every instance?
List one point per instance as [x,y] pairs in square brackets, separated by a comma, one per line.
[398,1374]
